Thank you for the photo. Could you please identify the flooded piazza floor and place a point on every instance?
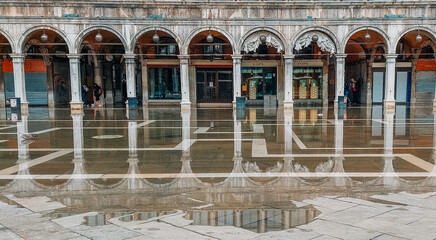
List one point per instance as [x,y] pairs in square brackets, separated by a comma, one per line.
[273,173]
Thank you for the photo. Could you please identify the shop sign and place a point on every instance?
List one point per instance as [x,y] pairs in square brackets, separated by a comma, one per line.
[308,63]
[426,66]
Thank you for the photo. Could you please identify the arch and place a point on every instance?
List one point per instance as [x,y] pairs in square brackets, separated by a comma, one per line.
[22,42]
[324,30]
[147,29]
[267,29]
[79,38]
[364,28]
[184,48]
[431,33]
[9,39]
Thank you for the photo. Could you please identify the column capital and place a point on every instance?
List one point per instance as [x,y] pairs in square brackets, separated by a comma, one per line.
[129,56]
[289,56]
[237,56]
[391,56]
[183,57]
[73,56]
[341,55]
[16,56]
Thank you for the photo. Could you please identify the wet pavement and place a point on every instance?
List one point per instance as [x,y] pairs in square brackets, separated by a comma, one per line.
[258,173]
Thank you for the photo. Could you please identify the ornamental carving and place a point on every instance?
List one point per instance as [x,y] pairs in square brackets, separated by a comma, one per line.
[323,42]
[254,40]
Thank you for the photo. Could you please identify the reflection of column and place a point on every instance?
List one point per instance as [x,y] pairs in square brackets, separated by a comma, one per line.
[289,64]
[289,114]
[388,149]
[236,77]
[133,139]
[130,75]
[237,131]
[340,69]
[19,80]
[339,151]
[78,135]
[133,182]
[184,79]
[389,100]
[23,148]
[186,132]
[76,90]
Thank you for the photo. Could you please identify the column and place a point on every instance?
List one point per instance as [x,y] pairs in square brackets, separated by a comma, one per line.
[130,81]
[76,103]
[19,80]
[389,100]
[184,79]
[289,91]
[340,72]
[2,91]
[236,77]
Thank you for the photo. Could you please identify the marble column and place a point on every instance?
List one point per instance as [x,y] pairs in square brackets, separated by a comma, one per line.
[78,135]
[2,91]
[19,81]
[236,77]
[76,103]
[389,100]
[340,75]
[390,178]
[184,79]
[130,77]
[289,91]
[23,147]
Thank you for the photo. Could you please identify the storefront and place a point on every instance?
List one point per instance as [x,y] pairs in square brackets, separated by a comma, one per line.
[258,82]
[309,78]
[214,85]
[164,83]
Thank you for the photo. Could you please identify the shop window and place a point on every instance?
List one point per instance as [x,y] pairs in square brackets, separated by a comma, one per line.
[258,82]
[164,83]
[307,82]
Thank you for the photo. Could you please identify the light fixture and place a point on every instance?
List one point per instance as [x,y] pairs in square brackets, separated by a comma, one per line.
[98,37]
[315,38]
[44,36]
[209,37]
[156,37]
[367,36]
[262,38]
[418,37]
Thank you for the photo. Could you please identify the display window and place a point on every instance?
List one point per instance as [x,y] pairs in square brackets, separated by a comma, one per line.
[258,82]
[307,82]
[164,83]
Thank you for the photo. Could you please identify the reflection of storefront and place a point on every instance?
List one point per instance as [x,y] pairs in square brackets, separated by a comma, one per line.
[307,83]
[258,82]
[164,83]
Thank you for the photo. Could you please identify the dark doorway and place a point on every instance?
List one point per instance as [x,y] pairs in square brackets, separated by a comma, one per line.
[214,86]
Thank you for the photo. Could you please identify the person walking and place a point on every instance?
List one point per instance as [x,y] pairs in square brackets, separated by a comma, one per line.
[97,93]
[354,89]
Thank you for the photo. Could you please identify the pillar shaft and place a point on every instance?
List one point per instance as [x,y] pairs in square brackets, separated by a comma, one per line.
[130,76]
[236,77]
[76,90]
[340,75]
[289,68]
[389,98]
[19,77]
[184,79]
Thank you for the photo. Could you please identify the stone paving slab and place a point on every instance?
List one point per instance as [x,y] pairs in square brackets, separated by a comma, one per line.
[224,232]
[341,231]
[295,233]
[8,235]
[106,232]
[37,204]
[159,230]
[75,220]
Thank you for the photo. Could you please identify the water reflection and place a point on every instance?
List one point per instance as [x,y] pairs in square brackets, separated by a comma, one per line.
[278,156]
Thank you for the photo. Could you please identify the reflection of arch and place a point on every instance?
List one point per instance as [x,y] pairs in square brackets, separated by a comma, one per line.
[323,30]
[9,39]
[79,39]
[23,39]
[185,46]
[364,28]
[148,29]
[263,29]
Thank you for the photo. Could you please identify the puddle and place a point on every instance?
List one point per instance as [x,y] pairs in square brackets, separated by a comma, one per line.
[141,216]
[256,220]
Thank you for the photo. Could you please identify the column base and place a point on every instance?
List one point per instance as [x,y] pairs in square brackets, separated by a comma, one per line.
[185,106]
[288,104]
[389,105]
[76,107]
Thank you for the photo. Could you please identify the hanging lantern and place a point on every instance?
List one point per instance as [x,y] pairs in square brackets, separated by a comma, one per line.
[367,36]
[315,38]
[418,38]
[209,38]
[44,37]
[98,37]
[156,37]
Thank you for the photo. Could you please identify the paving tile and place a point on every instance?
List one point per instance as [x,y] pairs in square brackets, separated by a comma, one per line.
[354,214]
[8,235]
[37,204]
[159,230]
[388,237]
[325,237]
[75,220]
[399,216]
[223,232]
[106,232]
[328,206]
[293,233]
[43,231]
[337,230]
[177,220]
[407,200]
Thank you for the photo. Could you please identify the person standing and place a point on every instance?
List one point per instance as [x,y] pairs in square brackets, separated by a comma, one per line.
[85,90]
[97,93]
[354,89]
[346,90]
